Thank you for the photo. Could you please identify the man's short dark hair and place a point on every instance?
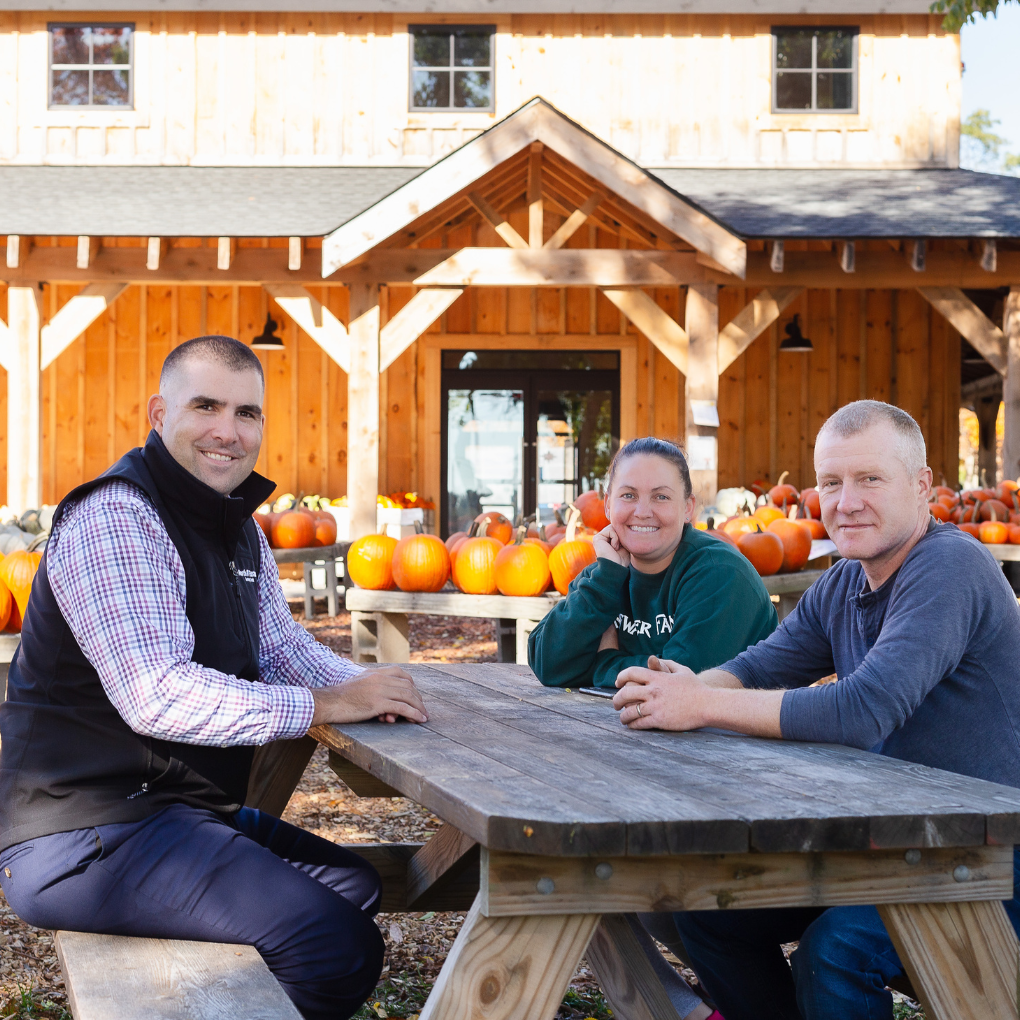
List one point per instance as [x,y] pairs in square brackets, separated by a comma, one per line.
[224,350]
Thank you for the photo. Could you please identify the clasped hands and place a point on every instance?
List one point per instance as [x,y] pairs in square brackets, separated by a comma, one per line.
[662,696]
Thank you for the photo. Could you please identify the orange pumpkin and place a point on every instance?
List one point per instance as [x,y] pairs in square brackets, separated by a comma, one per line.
[994,510]
[796,541]
[993,532]
[421,563]
[970,528]
[474,567]
[325,527]
[454,539]
[737,526]
[1014,533]
[370,562]
[7,604]
[716,533]
[570,556]
[944,490]
[764,549]
[544,546]
[783,495]
[768,514]
[265,522]
[522,568]
[810,503]
[17,571]
[593,510]
[938,511]
[816,528]
[294,529]
[495,525]
[949,502]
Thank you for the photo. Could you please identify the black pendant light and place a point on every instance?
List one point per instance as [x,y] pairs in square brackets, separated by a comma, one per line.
[795,340]
[268,341]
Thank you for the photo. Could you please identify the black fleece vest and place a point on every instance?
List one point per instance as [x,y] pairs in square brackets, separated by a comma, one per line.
[67,758]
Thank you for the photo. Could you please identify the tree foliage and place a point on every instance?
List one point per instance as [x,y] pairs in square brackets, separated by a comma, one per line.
[986,148]
[958,13]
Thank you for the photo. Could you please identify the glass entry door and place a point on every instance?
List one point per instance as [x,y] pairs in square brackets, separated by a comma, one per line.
[525,430]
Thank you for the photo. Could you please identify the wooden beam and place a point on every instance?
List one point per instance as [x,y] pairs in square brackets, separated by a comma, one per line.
[18,248]
[961,958]
[536,214]
[6,349]
[506,968]
[848,256]
[665,332]
[777,256]
[702,389]
[363,409]
[412,320]
[315,319]
[567,267]
[497,221]
[275,772]
[1011,385]
[363,783]
[24,481]
[989,253]
[295,252]
[972,323]
[155,249]
[439,863]
[88,248]
[751,321]
[918,255]
[512,883]
[573,223]
[75,317]
[226,247]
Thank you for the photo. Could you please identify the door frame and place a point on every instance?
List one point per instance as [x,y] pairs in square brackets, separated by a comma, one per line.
[430,396]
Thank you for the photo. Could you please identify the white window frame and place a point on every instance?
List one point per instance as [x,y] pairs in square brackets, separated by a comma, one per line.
[90,67]
[815,70]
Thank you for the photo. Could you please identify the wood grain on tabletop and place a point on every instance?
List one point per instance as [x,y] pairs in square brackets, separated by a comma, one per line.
[524,768]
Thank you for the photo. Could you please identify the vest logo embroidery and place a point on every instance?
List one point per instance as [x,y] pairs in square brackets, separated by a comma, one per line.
[248,575]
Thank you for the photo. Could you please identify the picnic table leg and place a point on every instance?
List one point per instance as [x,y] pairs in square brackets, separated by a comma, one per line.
[524,629]
[509,968]
[276,771]
[331,582]
[306,569]
[962,958]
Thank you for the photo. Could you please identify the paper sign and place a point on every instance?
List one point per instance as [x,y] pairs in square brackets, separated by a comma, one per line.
[701,453]
[705,412]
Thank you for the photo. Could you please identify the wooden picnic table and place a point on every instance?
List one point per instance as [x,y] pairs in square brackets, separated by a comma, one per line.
[558,821]
[379,618]
[327,555]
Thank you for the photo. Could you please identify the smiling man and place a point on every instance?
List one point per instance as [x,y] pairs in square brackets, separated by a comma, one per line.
[922,630]
[157,652]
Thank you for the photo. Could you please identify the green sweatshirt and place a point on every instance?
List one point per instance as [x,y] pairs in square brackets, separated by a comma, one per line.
[706,607]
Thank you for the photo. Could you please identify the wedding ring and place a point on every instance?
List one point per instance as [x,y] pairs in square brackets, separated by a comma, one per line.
[639,708]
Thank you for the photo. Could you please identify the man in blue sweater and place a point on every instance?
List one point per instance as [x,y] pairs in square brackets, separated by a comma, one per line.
[922,630]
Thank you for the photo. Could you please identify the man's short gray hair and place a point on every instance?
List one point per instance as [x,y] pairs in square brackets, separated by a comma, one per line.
[862,414]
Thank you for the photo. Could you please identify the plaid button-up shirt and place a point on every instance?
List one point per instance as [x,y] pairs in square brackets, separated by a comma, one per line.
[119,582]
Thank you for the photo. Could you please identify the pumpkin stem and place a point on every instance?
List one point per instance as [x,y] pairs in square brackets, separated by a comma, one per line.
[521,532]
[418,529]
[541,533]
[710,524]
[558,516]
[572,520]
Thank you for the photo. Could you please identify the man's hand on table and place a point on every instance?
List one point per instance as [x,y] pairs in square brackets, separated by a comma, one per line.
[386,694]
[668,696]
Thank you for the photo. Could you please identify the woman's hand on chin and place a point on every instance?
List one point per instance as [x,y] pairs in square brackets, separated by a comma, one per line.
[608,547]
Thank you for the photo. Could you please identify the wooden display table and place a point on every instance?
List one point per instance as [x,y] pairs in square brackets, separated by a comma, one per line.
[327,555]
[559,821]
[379,618]
[1005,553]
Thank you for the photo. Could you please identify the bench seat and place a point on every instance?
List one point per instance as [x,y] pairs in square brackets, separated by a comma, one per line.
[114,977]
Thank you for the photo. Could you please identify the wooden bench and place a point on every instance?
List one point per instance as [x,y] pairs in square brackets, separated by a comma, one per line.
[113,977]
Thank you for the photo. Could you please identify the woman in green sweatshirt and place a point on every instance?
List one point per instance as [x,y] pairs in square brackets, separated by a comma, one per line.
[659,586]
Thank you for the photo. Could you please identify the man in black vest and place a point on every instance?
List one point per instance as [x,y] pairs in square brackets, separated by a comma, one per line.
[157,651]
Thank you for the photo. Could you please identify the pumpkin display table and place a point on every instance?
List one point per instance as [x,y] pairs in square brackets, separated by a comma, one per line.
[327,555]
[379,618]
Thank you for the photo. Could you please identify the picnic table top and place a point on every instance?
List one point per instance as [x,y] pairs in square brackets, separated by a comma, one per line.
[455,603]
[523,768]
[312,553]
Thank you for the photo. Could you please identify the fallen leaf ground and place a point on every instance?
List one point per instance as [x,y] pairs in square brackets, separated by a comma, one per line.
[31,985]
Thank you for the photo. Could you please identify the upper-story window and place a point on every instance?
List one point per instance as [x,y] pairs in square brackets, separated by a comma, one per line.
[451,67]
[814,69]
[91,65]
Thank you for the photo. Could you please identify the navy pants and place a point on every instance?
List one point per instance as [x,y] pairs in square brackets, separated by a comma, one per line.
[839,971]
[304,903]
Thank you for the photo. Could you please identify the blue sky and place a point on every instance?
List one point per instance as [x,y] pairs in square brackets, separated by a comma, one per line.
[991,77]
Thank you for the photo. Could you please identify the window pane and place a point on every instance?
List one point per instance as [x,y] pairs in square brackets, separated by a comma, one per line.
[835,49]
[471,47]
[431,49]
[71,46]
[835,90]
[70,88]
[793,47]
[793,90]
[110,88]
[431,88]
[111,45]
[472,89]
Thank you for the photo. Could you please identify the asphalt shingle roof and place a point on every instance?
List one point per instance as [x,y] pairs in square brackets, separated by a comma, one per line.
[312,201]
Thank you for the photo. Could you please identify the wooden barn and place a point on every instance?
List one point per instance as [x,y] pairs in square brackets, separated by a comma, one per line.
[486,248]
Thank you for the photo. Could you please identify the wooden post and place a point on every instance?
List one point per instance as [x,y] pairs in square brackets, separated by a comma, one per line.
[363,409]
[1011,385]
[702,390]
[987,410]
[24,480]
